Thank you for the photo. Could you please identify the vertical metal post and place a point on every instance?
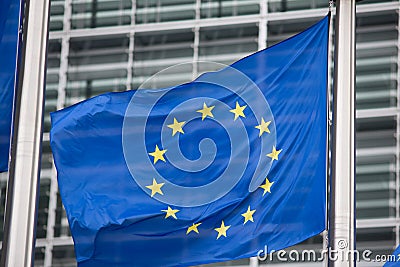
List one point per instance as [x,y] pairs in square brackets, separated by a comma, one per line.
[253,262]
[196,41]
[262,44]
[131,48]
[325,234]
[397,164]
[262,27]
[22,189]
[342,221]
[61,90]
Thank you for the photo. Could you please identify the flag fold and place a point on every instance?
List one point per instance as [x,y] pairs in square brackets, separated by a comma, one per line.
[9,33]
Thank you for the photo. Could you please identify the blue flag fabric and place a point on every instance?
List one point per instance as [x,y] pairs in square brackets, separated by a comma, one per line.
[212,170]
[9,26]
[394,260]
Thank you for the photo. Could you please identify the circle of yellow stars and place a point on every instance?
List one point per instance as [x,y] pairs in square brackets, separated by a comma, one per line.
[177,127]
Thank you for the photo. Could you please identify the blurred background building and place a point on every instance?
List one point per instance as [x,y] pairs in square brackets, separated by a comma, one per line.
[98,46]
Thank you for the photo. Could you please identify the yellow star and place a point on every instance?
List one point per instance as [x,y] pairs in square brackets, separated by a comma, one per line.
[155,188]
[158,154]
[193,228]
[248,215]
[274,154]
[222,230]
[170,212]
[266,186]
[238,111]
[176,126]
[263,127]
[206,111]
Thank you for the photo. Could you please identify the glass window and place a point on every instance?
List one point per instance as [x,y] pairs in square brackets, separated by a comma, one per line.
[94,13]
[311,244]
[96,65]
[364,2]
[150,11]
[43,210]
[227,8]
[290,5]
[53,67]
[3,190]
[375,170]
[39,256]
[281,30]
[376,60]
[61,227]
[155,51]
[228,43]
[380,241]
[63,256]
[56,16]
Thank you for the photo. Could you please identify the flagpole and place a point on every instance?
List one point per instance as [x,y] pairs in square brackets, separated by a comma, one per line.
[342,219]
[23,183]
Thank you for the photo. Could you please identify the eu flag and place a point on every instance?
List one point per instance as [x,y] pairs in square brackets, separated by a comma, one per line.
[9,26]
[212,170]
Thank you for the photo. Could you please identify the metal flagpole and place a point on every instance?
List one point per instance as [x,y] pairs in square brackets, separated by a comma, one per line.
[342,219]
[22,188]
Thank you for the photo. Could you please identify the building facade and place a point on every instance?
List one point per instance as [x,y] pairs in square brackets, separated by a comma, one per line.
[98,46]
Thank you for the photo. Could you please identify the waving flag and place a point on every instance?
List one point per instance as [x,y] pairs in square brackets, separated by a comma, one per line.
[212,170]
[9,26]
